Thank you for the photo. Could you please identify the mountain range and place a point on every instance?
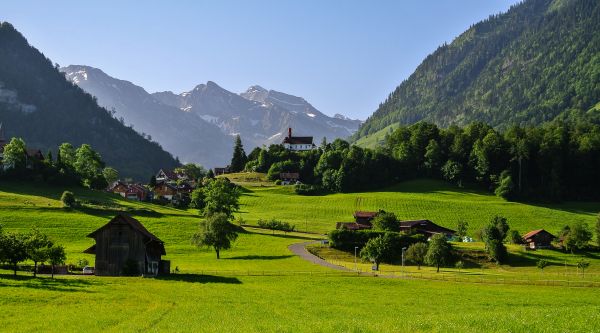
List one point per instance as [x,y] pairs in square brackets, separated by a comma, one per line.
[39,105]
[199,125]
[537,62]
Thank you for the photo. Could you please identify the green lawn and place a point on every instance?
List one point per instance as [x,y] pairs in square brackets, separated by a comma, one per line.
[438,201]
[259,285]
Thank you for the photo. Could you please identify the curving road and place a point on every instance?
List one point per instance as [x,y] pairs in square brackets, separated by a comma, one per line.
[299,249]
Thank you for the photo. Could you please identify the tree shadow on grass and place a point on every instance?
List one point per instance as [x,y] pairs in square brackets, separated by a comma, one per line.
[198,278]
[46,283]
[256,257]
[278,235]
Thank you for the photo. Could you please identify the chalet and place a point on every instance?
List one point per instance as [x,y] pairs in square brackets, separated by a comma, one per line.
[289,177]
[169,176]
[222,171]
[362,217]
[124,244]
[118,187]
[425,227]
[298,143]
[136,192]
[165,190]
[538,239]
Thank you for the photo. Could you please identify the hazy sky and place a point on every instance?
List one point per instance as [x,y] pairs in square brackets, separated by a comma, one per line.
[342,56]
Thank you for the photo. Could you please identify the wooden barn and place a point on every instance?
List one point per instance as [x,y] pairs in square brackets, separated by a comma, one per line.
[123,247]
[362,217]
[425,227]
[537,239]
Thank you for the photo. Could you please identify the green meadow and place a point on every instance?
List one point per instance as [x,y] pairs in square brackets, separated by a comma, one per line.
[437,201]
[260,286]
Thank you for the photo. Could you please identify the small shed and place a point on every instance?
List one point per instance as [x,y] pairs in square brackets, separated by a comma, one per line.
[124,245]
[538,239]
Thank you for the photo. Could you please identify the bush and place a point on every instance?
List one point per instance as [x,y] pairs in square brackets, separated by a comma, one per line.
[278,182]
[515,237]
[276,225]
[305,189]
[347,240]
[68,199]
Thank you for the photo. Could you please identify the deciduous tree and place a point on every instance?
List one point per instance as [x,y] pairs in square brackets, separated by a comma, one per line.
[216,232]
[416,253]
[439,251]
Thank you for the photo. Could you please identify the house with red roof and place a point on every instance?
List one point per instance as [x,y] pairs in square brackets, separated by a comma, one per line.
[538,239]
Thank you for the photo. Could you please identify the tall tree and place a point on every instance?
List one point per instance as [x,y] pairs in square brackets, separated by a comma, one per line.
[416,253]
[216,232]
[221,196]
[239,159]
[88,163]
[110,174]
[376,250]
[14,249]
[439,251]
[494,234]
[38,246]
[66,155]
[15,153]
[56,256]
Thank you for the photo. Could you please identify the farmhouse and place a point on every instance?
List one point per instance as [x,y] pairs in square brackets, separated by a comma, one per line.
[169,176]
[136,192]
[352,226]
[165,190]
[298,143]
[289,177]
[118,187]
[425,227]
[123,244]
[538,239]
[221,171]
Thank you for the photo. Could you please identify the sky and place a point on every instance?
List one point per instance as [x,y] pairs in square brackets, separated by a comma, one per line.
[341,56]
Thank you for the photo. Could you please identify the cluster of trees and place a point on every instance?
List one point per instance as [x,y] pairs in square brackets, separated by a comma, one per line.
[555,161]
[73,166]
[34,246]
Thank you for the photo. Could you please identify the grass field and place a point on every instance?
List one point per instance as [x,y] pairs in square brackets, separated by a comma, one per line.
[376,139]
[259,285]
[440,202]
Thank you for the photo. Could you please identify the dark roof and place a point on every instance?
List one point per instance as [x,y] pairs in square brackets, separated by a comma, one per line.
[31,152]
[289,175]
[304,140]
[425,226]
[359,213]
[135,224]
[535,232]
[351,226]
[172,186]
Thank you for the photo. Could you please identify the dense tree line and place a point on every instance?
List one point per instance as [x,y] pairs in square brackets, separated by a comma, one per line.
[73,166]
[527,66]
[555,161]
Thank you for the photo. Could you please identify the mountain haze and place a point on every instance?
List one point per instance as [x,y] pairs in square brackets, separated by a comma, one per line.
[183,134]
[38,104]
[538,61]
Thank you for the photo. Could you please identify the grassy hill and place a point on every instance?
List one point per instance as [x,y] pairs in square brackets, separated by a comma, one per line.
[438,201]
[210,295]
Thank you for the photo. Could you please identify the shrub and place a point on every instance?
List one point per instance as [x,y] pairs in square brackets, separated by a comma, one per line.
[68,199]
[278,182]
[347,240]
[515,237]
[276,225]
[305,189]
[386,222]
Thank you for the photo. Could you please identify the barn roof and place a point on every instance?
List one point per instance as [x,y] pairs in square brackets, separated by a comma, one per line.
[535,232]
[424,225]
[135,224]
[359,213]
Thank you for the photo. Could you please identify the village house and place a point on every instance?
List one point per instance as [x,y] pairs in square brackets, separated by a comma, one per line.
[130,191]
[118,187]
[289,177]
[221,171]
[298,143]
[363,217]
[124,244]
[538,239]
[165,190]
[425,227]
[169,176]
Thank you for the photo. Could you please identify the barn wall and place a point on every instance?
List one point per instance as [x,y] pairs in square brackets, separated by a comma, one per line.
[115,245]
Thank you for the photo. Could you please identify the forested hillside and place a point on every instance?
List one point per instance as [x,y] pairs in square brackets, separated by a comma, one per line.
[534,63]
[38,104]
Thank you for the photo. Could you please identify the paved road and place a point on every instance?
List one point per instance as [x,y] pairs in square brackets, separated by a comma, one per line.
[300,250]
